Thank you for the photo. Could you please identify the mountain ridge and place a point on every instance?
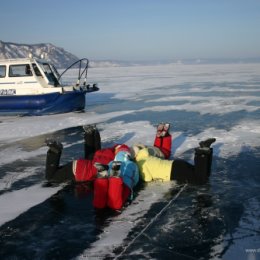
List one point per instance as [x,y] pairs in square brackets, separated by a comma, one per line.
[56,55]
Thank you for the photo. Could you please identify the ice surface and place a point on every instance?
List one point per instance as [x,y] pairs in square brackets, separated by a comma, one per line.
[130,103]
[13,204]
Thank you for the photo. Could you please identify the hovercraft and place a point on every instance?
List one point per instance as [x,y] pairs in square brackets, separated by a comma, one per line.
[31,86]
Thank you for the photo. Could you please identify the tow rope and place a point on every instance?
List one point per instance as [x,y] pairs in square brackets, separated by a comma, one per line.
[152,220]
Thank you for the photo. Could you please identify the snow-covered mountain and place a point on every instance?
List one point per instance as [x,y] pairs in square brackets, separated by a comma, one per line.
[56,55]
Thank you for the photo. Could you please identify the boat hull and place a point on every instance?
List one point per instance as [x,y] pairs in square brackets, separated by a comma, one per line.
[52,103]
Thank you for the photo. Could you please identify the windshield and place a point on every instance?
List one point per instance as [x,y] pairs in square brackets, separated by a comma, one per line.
[50,74]
[36,70]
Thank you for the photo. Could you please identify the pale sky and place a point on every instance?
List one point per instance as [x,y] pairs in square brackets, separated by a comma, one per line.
[137,29]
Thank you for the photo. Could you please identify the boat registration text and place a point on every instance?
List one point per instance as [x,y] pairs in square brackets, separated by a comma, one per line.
[7,92]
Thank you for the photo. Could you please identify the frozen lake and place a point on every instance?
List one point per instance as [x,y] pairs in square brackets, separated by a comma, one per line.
[218,220]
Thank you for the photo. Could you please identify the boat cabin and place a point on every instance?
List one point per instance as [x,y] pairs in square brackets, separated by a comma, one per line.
[28,75]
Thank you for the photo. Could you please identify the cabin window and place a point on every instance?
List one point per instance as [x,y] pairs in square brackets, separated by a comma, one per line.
[21,70]
[49,74]
[36,70]
[2,71]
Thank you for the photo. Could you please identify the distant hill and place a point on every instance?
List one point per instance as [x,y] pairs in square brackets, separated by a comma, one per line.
[56,55]
[59,57]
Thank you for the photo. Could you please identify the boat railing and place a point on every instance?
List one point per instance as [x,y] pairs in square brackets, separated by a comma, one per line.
[82,71]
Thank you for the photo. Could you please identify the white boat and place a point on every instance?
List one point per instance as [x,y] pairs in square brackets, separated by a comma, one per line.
[31,86]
